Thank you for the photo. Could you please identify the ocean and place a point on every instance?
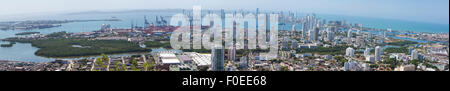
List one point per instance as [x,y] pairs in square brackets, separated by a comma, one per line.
[393,24]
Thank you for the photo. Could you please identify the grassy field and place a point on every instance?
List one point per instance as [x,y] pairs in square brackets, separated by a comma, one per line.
[401,43]
[157,44]
[396,50]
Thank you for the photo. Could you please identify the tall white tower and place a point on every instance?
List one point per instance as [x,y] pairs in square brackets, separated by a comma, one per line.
[350,52]
[377,53]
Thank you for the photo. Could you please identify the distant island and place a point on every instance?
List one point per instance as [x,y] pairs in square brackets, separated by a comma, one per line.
[41,24]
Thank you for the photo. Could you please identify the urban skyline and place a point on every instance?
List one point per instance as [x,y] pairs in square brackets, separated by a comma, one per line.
[435,11]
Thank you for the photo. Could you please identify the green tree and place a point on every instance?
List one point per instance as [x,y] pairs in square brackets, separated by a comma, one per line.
[393,62]
[415,62]
[396,50]
[145,66]
[99,62]
[104,58]
[118,66]
[373,66]
[284,68]
[134,65]
[124,67]
[340,59]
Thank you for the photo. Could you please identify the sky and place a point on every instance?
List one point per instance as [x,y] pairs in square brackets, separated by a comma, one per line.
[431,11]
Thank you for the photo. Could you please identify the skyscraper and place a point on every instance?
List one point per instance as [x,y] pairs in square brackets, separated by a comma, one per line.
[293,31]
[349,36]
[386,32]
[359,41]
[313,34]
[350,66]
[257,11]
[350,52]
[222,17]
[330,36]
[304,29]
[410,50]
[377,53]
[232,53]
[367,52]
[308,24]
[349,33]
[294,44]
[146,23]
[285,43]
[414,55]
[369,35]
[358,32]
[217,59]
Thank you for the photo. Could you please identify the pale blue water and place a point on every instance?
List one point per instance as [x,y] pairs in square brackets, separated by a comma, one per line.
[390,23]
[25,52]
[379,23]
[21,52]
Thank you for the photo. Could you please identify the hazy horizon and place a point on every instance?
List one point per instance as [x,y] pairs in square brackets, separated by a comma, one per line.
[429,11]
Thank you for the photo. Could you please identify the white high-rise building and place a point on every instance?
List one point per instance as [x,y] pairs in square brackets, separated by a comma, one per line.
[350,52]
[378,53]
[350,66]
[414,55]
[370,58]
[304,29]
[358,32]
[313,34]
[367,52]
[349,33]
[293,28]
[330,36]
[369,35]
[360,41]
[285,43]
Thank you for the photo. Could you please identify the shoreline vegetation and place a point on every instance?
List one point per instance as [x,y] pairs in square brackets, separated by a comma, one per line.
[396,50]
[157,44]
[8,45]
[27,33]
[402,43]
[61,47]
